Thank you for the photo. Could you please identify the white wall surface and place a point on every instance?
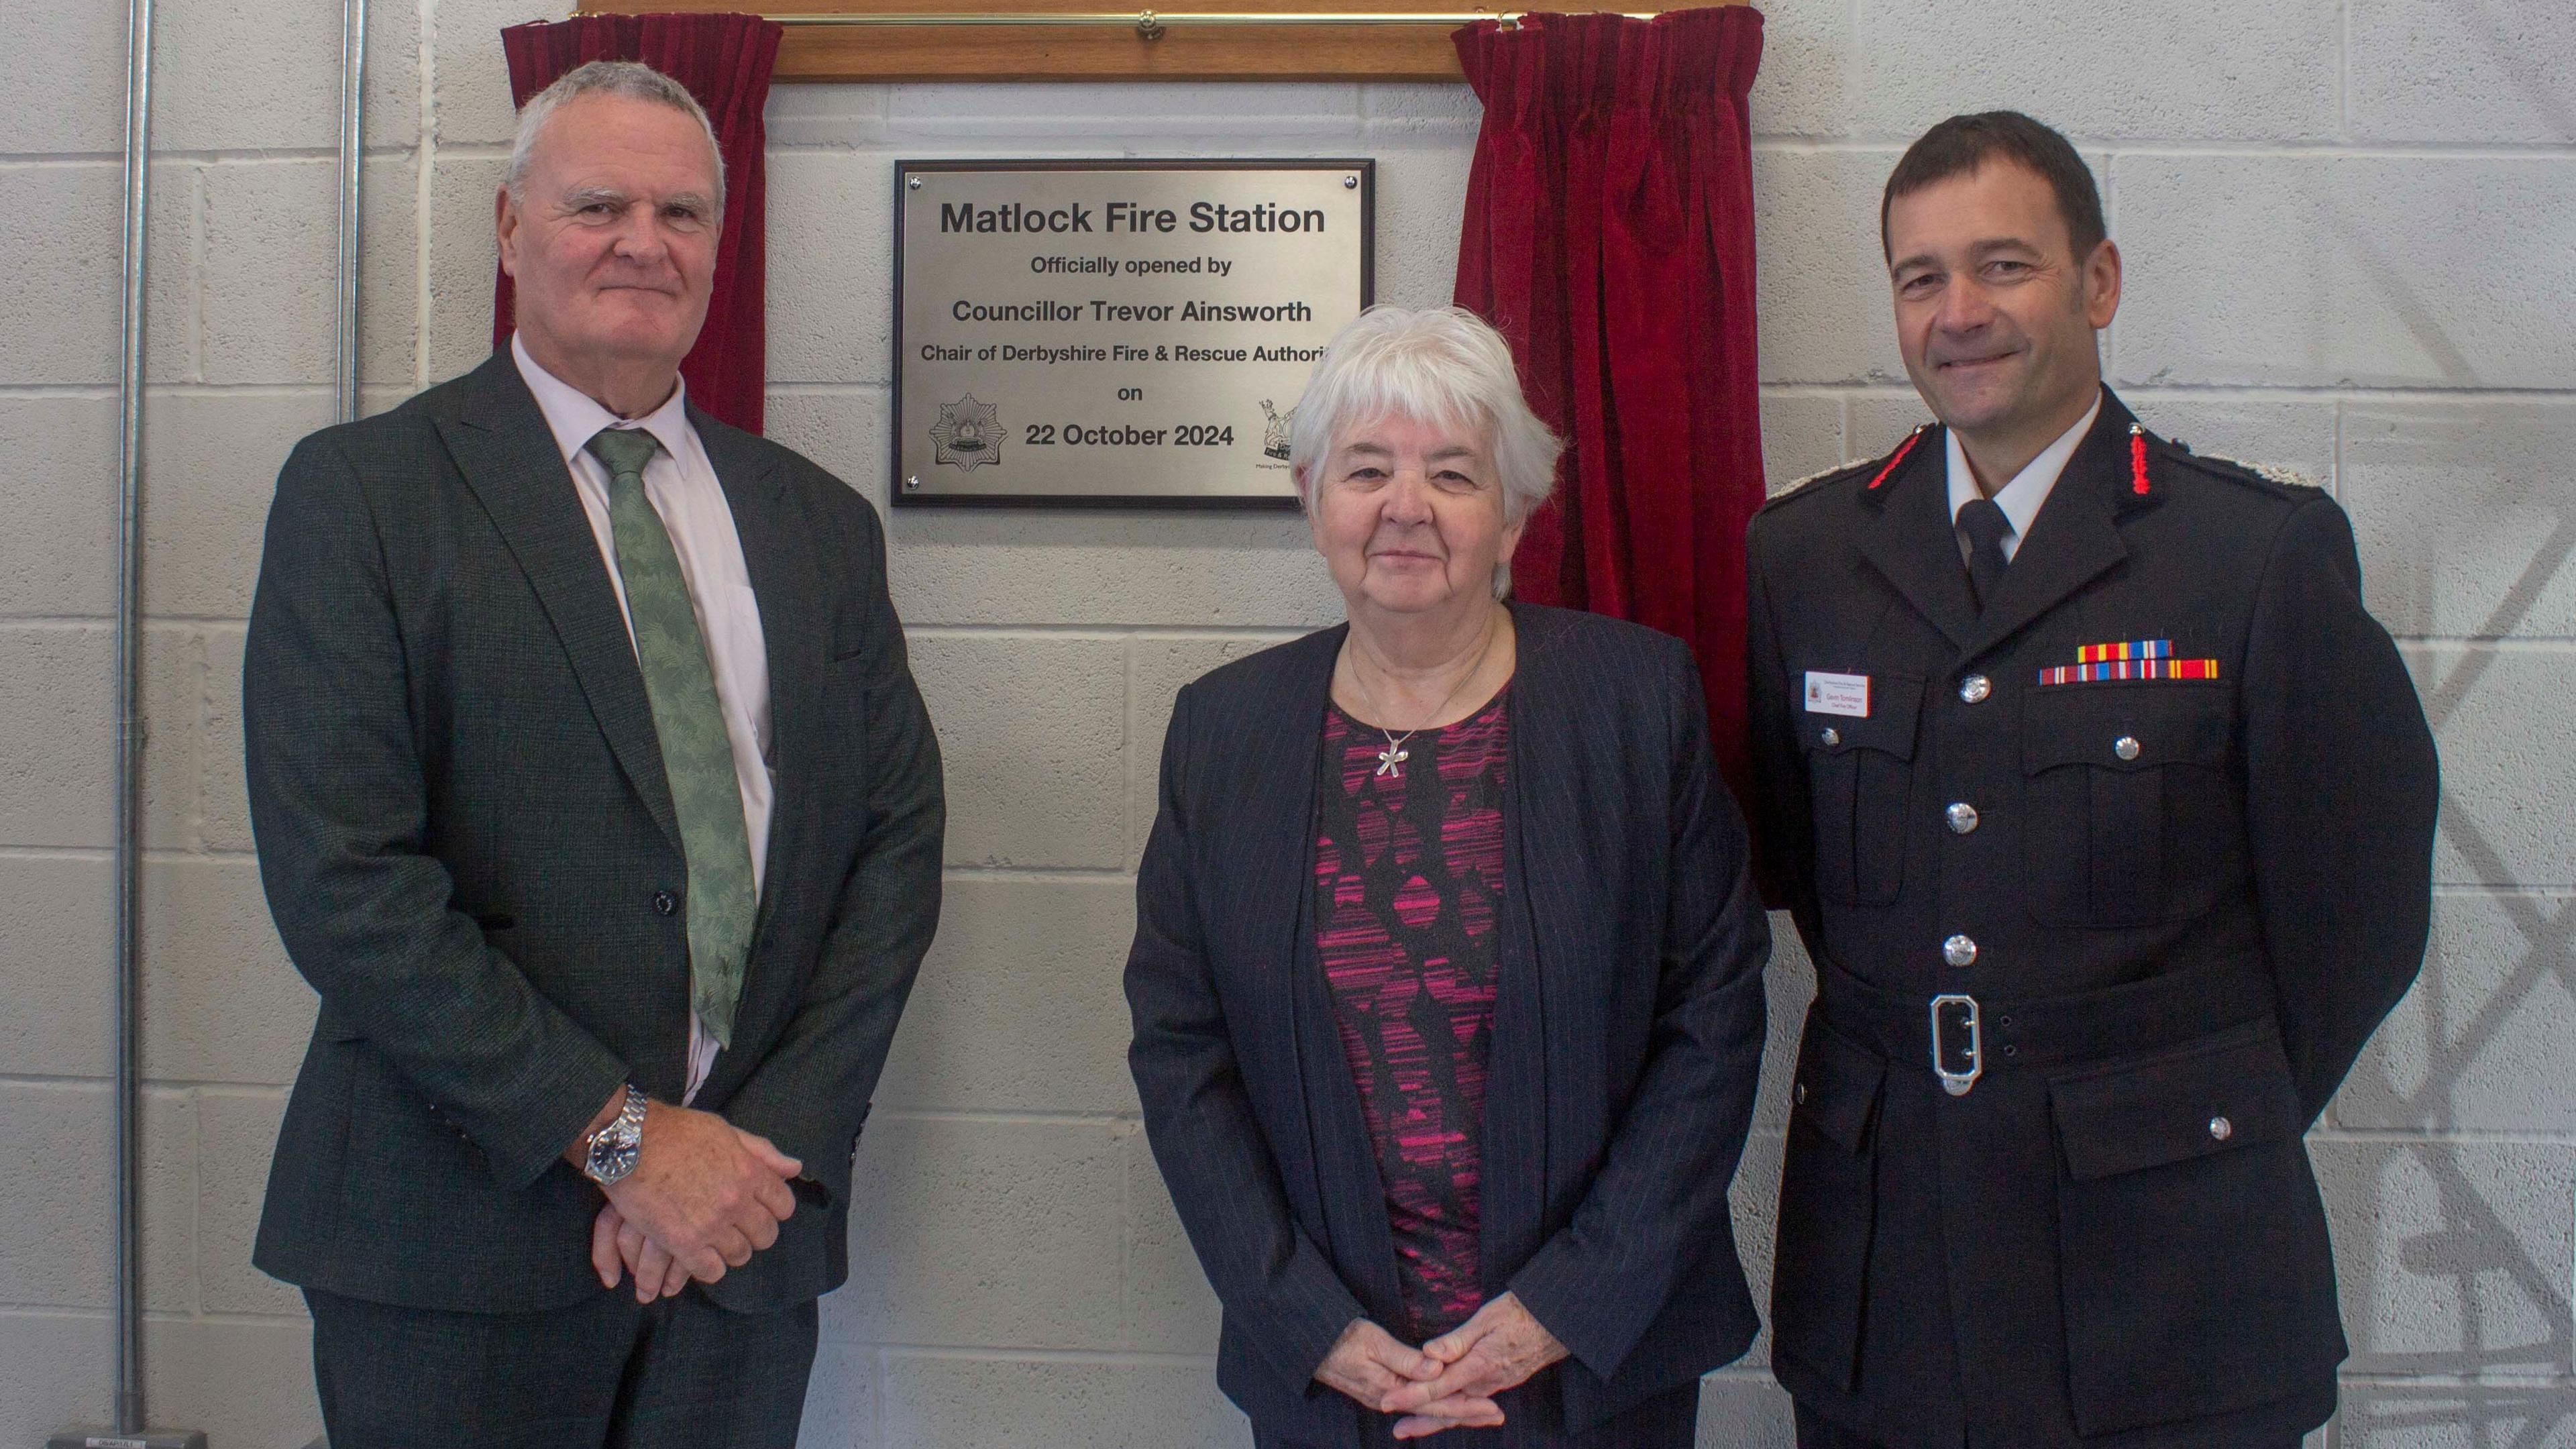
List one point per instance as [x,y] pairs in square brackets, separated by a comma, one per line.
[2347,225]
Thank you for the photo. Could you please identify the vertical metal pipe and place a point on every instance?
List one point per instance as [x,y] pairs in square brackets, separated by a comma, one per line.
[353,94]
[129,729]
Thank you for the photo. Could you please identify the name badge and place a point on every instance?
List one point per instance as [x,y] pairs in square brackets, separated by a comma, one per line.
[1842,694]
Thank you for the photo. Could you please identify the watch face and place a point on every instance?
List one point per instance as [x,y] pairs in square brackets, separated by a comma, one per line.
[611,1158]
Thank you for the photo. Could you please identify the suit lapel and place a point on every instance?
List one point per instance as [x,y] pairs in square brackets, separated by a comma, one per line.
[2075,538]
[794,625]
[1912,543]
[507,455]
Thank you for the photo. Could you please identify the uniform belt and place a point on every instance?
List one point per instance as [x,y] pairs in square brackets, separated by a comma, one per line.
[1960,1038]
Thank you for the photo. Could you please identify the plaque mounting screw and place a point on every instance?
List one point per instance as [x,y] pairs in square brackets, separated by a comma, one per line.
[1350,183]
[912,480]
[913,181]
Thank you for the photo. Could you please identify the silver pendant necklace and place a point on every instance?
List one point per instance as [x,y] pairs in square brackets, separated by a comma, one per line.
[1390,760]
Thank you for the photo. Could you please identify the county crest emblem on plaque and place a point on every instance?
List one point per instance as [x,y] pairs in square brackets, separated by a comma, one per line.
[968,434]
[1274,430]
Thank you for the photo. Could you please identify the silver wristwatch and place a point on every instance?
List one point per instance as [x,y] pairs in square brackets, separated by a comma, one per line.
[612,1150]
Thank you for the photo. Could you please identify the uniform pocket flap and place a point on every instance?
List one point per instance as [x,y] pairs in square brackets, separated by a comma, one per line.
[2172,1108]
[2139,725]
[1894,702]
[1836,1089]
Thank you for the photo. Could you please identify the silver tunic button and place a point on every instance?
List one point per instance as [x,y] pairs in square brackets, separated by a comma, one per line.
[2126,747]
[1959,951]
[2221,1128]
[1831,737]
[1962,818]
[1975,688]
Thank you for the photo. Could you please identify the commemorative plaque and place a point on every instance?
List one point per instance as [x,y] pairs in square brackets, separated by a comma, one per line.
[1128,333]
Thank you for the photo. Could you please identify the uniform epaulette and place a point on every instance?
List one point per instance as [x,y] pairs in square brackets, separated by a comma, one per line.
[1872,469]
[2268,477]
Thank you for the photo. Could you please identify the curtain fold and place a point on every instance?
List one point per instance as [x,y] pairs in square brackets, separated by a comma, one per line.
[725,61]
[1609,237]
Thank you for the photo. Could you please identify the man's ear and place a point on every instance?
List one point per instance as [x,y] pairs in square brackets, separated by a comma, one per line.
[505,230]
[2102,284]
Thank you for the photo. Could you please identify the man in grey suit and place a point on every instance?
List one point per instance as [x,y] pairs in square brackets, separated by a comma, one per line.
[594,795]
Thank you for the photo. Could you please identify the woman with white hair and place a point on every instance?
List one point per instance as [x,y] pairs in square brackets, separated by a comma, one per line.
[1447,972]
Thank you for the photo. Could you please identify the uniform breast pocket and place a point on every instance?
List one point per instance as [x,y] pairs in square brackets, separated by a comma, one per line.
[1860,775]
[2127,808]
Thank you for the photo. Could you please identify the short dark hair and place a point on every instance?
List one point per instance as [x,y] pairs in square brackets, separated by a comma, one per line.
[1961,144]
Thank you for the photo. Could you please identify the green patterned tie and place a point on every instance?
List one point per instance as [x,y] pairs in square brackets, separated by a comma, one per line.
[697,756]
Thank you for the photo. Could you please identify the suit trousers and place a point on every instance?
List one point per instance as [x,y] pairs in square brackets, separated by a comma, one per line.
[604,1373]
[1815,1431]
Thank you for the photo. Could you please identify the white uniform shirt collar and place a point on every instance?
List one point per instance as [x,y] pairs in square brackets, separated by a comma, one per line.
[2020,499]
[574,418]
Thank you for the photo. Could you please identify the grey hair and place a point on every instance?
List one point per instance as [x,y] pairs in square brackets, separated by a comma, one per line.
[631,79]
[1443,365]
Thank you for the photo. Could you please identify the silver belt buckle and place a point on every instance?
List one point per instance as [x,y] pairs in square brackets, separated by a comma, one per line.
[1958,1083]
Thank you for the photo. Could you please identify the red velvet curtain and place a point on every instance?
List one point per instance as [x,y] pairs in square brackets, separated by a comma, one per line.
[725,62]
[1609,236]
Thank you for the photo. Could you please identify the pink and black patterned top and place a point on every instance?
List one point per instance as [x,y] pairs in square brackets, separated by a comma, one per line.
[1408,876]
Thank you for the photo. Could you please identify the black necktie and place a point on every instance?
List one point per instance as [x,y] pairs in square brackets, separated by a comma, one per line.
[1983,521]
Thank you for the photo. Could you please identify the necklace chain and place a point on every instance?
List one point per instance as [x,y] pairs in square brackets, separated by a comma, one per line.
[1390,761]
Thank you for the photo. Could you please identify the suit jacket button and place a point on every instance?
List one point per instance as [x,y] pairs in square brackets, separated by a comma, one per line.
[665,902]
[1975,688]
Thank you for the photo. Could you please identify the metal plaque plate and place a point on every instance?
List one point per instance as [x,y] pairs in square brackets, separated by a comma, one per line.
[1127,333]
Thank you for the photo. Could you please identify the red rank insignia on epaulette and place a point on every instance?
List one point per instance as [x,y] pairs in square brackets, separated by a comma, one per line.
[1898,456]
[2137,459]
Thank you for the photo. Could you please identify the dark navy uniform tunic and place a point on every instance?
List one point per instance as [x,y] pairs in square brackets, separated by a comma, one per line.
[2160,906]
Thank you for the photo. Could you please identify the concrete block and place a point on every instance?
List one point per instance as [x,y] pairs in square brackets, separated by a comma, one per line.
[1755,1198]
[58,1163]
[2129,68]
[2480,1044]
[270,294]
[237,1135]
[174,685]
[1744,1411]
[1032,730]
[389,321]
[1157,667]
[1421,198]
[831,236]
[59,226]
[60,1371]
[2422,70]
[2508,763]
[57,735]
[1168,1306]
[2293,433]
[75,100]
[463,258]
[841,1397]
[832,116]
[1879,421]
[2397,1414]
[58,953]
[223,810]
[2465,512]
[1159,117]
[1820,282]
[222,1004]
[2355,271]
[212,460]
[1789,984]
[231,77]
[1112,569]
[1801,434]
[58,487]
[473,79]
[983,1233]
[842,429]
[1018,1008]
[246,1382]
[1398,111]
[174,281]
[2453,1256]
[936,1401]
[1808,69]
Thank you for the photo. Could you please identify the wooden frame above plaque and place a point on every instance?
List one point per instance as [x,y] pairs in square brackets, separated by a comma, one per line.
[1011,40]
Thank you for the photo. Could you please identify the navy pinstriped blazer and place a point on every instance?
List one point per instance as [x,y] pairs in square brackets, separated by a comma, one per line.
[1627,1032]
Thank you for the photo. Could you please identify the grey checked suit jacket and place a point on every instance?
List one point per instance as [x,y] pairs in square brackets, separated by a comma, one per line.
[468,845]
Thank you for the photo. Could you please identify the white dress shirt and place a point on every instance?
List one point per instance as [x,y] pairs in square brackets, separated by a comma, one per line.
[681,485]
[2019,499]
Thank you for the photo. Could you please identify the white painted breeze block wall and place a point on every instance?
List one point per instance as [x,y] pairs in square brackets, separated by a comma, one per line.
[2347,226]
